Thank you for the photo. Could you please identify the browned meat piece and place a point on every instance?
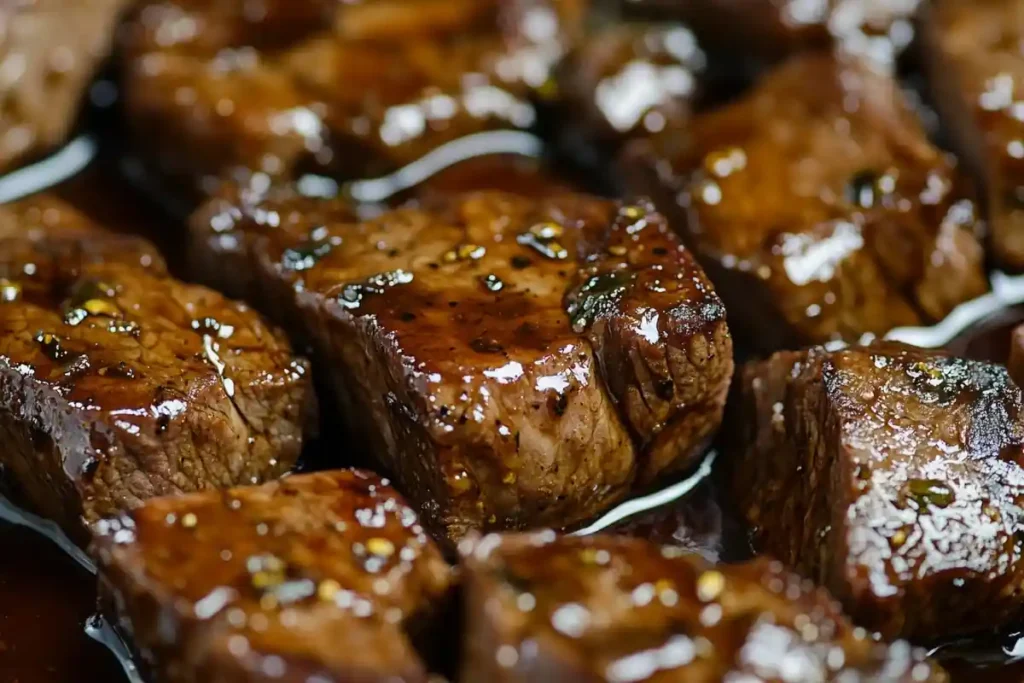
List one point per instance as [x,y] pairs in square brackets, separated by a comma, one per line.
[319,577]
[514,361]
[974,55]
[772,29]
[818,206]
[49,51]
[891,475]
[119,383]
[629,80]
[416,74]
[543,608]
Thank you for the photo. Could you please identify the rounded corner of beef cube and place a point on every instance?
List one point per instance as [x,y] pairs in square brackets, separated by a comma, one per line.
[891,475]
[818,206]
[514,361]
[118,382]
[604,608]
[51,49]
[974,64]
[325,576]
[628,80]
[262,94]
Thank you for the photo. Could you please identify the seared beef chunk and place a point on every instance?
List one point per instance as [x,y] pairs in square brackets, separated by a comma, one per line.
[818,207]
[352,89]
[118,383]
[974,51]
[514,361]
[49,51]
[541,608]
[891,475]
[631,79]
[771,29]
[317,577]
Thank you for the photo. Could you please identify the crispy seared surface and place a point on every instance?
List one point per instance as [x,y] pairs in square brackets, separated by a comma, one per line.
[891,475]
[261,92]
[616,609]
[119,383]
[314,577]
[974,54]
[818,206]
[766,30]
[514,361]
[49,52]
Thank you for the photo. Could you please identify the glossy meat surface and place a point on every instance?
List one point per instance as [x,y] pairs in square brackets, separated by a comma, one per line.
[317,577]
[891,475]
[262,92]
[974,51]
[818,207]
[49,52]
[543,608]
[628,80]
[766,30]
[119,383]
[514,361]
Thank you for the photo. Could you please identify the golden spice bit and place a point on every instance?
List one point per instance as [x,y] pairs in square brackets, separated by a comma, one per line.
[617,250]
[588,556]
[710,585]
[380,547]
[328,589]
[464,252]
[509,478]
[548,230]
[898,538]
[189,520]
[101,307]
[632,211]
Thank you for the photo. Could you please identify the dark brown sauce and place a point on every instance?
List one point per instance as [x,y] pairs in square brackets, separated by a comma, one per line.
[46,598]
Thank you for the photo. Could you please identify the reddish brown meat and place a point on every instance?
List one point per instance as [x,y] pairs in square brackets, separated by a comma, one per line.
[543,608]
[818,206]
[119,383]
[49,52]
[319,577]
[416,73]
[514,361]
[891,475]
[974,54]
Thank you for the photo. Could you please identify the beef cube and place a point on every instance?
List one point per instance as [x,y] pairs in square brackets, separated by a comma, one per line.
[818,206]
[49,52]
[973,53]
[543,608]
[891,475]
[119,383]
[514,361]
[628,80]
[769,30]
[318,577]
[416,74]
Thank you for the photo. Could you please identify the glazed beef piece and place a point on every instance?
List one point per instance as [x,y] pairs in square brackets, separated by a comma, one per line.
[974,55]
[319,577]
[629,80]
[891,475]
[49,52]
[768,30]
[514,361]
[119,383]
[545,608]
[262,92]
[818,207]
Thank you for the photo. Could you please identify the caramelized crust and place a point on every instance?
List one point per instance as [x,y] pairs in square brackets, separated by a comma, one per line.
[818,206]
[119,383]
[210,88]
[514,361]
[315,577]
[891,475]
[974,54]
[541,607]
